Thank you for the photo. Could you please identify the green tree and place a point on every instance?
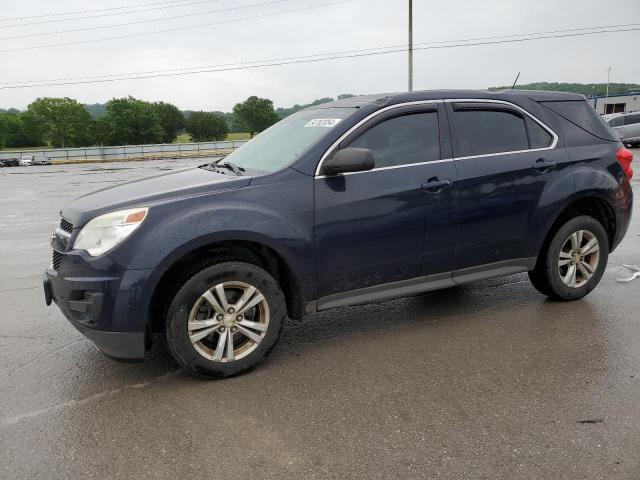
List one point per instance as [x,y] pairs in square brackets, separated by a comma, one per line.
[171,119]
[63,122]
[13,132]
[9,126]
[256,114]
[206,126]
[130,121]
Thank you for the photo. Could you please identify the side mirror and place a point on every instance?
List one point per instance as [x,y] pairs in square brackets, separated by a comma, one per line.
[349,160]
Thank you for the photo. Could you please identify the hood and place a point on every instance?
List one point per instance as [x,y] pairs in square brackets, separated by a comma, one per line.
[149,191]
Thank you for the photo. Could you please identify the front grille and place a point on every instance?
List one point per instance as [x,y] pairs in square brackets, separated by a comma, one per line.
[66,225]
[56,259]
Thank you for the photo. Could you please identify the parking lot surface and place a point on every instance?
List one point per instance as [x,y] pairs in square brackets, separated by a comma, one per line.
[489,380]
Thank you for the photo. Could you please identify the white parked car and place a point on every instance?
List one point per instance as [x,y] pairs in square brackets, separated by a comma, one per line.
[26,160]
[626,126]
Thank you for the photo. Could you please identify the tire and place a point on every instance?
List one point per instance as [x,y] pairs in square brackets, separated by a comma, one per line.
[198,325]
[538,280]
[567,273]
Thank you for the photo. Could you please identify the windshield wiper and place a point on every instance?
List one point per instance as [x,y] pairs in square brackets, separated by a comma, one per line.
[230,165]
[221,163]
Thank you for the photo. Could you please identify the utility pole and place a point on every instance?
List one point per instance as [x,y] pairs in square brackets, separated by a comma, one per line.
[411,45]
[606,95]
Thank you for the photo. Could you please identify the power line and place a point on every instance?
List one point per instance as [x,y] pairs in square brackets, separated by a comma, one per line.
[472,39]
[137,22]
[162,6]
[327,57]
[174,29]
[184,69]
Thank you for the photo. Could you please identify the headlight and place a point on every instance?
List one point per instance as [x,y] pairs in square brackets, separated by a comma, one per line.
[103,233]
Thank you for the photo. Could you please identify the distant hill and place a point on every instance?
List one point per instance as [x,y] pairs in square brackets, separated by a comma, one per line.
[97,110]
[587,89]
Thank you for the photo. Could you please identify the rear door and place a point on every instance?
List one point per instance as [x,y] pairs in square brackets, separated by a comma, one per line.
[632,127]
[370,226]
[505,159]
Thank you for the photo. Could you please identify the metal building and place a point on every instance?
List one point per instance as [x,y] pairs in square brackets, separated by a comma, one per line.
[617,103]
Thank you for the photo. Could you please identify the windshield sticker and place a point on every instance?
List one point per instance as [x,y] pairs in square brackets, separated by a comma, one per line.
[323,123]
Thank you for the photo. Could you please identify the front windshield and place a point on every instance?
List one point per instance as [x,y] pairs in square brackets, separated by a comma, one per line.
[281,144]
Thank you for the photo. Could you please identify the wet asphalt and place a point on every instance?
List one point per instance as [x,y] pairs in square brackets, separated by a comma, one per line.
[485,381]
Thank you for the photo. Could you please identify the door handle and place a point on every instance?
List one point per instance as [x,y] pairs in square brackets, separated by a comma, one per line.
[435,185]
[542,165]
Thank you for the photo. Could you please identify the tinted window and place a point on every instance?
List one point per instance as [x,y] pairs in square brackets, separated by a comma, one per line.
[403,140]
[632,119]
[479,132]
[580,113]
[538,136]
[616,122]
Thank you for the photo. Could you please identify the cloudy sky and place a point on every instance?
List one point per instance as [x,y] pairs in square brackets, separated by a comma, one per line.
[225,35]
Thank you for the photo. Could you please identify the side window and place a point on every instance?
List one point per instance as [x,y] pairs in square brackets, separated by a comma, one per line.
[480,132]
[538,136]
[616,122]
[632,119]
[403,140]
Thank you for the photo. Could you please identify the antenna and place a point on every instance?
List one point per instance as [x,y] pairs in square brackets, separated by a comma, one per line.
[515,81]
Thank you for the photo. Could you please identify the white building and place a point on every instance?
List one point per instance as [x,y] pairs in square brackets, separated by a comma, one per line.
[618,103]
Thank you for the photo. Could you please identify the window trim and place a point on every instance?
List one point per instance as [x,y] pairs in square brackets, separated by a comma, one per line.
[337,143]
[553,134]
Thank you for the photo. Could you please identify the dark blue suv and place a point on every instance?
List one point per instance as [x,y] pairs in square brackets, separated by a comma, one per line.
[355,201]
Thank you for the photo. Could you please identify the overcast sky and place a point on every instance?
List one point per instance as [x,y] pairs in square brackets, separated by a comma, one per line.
[357,24]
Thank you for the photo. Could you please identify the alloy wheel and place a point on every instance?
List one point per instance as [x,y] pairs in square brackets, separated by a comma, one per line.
[228,321]
[579,258]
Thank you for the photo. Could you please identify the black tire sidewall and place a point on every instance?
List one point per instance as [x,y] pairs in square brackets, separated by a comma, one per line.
[178,315]
[557,286]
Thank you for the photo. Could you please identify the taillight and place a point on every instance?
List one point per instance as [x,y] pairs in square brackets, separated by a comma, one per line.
[625,157]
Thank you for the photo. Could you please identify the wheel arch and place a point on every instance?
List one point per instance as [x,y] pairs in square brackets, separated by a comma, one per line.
[181,265]
[592,205]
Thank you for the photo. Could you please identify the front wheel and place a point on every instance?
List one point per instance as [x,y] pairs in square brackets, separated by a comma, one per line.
[574,261]
[225,319]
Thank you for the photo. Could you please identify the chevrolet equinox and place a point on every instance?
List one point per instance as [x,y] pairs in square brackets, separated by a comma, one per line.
[360,200]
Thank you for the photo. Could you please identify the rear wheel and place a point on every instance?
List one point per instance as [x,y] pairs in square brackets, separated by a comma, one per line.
[225,319]
[574,261]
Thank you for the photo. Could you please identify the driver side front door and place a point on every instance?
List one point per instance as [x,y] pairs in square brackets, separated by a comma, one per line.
[386,232]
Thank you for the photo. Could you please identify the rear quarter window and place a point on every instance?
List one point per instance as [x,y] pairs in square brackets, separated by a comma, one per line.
[581,114]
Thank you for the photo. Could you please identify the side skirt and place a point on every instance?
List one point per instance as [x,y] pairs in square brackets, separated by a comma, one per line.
[414,286]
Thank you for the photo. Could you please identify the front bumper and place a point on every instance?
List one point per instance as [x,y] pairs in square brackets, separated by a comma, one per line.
[109,310]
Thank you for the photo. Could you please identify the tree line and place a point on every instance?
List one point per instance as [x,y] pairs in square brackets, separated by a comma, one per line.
[64,122]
